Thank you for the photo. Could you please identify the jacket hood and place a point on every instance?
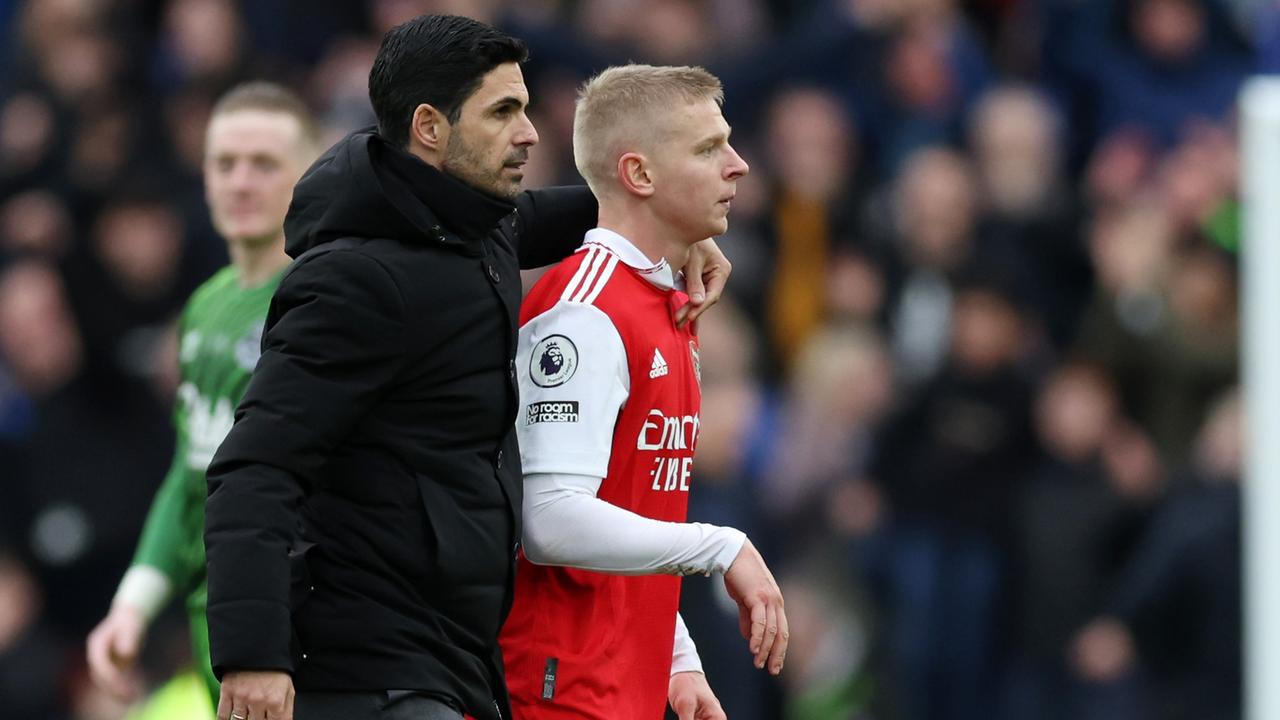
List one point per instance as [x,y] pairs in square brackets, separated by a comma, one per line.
[366,188]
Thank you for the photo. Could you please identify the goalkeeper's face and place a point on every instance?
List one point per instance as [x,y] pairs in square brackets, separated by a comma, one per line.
[253,158]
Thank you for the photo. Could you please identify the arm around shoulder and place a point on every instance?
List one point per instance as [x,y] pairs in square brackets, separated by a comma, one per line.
[552,222]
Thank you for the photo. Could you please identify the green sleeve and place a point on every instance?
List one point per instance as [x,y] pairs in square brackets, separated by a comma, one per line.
[165,535]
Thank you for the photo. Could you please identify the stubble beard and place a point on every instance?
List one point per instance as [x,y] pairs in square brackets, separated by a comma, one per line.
[462,161]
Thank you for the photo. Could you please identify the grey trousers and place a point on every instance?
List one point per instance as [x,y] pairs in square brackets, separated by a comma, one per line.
[384,705]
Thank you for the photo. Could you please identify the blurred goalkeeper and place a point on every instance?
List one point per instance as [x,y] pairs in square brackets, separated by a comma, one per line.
[259,140]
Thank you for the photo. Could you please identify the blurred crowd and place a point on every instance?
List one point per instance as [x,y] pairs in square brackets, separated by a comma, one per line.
[972,390]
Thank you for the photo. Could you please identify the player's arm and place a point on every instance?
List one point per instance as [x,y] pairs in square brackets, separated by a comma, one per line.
[566,453]
[571,360]
[164,535]
[566,524]
[335,340]
[566,456]
[551,222]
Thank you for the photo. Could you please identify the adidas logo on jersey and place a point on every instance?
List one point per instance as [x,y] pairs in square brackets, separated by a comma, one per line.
[659,366]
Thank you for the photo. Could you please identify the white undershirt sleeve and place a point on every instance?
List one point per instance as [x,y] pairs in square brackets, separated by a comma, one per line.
[566,524]
[684,655]
[144,588]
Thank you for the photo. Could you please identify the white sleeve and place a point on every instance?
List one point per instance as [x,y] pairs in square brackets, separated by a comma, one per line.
[572,369]
[684,656]
[566,524]
[145,589]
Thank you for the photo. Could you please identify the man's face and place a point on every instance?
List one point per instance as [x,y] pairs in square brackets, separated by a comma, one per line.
[489,144]
[695,171]
[252,160]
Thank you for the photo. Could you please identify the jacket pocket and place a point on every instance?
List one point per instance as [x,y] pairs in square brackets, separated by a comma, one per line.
[301,587]
[469,543]
[301,584]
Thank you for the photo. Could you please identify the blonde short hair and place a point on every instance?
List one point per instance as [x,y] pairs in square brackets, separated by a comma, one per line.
[622,109]
[270,97]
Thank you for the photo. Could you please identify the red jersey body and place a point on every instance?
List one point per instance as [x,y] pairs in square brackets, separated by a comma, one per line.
[610,389]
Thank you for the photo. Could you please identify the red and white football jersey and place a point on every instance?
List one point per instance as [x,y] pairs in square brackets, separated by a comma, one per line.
[610,389]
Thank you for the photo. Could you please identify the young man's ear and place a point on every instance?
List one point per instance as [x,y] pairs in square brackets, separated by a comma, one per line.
[429,130]
[635,174]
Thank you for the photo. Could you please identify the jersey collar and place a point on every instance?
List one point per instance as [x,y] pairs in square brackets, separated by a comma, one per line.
[659,274]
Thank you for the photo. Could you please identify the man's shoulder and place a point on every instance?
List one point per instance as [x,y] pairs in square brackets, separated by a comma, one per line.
[592,298]
[558,275]
[347,255]
[404,260]
[594,275]
[367,272]
[374,247]
[561,303]
[550,285]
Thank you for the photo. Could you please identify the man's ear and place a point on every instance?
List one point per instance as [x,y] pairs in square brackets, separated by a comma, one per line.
[429,130]
[635,174]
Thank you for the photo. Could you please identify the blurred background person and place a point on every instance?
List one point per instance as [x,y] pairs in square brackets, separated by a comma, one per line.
[260,139]
[1076,518]
[950,464]
[1185,574]
[932,243]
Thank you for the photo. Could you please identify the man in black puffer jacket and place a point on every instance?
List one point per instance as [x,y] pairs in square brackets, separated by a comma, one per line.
[364,512]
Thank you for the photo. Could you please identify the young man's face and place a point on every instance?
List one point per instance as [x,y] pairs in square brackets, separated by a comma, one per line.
[696,171]
[252,160]
[489,144]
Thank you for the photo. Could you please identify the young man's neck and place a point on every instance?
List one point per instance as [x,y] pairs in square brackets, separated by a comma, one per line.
[650,236]
[258,264]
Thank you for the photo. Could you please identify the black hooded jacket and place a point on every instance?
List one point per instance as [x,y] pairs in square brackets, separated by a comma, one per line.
[364,511]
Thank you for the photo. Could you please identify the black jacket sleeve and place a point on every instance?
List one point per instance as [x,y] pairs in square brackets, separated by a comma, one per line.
[334,343]
[551,223]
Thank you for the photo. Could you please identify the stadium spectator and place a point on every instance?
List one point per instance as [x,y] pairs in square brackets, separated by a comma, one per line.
[1029,214]
[74,507]
[934,208]
[30,655]
[950,465]
[1184,574]
[813,154]
[1074,521]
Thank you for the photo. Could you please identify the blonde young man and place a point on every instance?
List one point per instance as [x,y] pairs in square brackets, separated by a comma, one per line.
[610,388]
[260,139]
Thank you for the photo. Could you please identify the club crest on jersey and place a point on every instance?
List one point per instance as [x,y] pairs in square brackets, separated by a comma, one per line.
[697,361]
[553,361]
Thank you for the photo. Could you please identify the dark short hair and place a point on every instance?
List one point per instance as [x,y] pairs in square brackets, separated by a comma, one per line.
[435,59]
[269,97]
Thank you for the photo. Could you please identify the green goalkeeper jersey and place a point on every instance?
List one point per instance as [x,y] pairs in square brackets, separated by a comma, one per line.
[220,335]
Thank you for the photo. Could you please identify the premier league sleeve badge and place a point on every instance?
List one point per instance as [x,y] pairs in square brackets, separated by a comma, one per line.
[553,361]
